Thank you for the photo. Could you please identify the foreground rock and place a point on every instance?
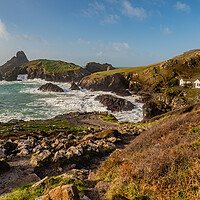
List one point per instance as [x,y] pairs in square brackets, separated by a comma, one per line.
[49,87]
[97,67]
[15,61]
[112,83]
[153,108]
[65,192]
[41,148]
[74,86]
[115,104]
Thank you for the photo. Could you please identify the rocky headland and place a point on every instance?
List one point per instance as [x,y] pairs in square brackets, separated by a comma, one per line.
[14,62]
[92,155]
[50,87]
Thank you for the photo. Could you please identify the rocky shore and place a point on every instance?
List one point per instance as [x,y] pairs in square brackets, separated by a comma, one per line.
[36,149]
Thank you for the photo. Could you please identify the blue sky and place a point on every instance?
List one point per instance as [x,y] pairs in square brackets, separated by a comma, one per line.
[125,33]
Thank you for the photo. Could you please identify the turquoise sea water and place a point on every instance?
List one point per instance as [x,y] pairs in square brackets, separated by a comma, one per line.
[23,100]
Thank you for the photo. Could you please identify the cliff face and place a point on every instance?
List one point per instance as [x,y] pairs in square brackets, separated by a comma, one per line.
[97,67]
[112,83]
[49,70]
[15,61]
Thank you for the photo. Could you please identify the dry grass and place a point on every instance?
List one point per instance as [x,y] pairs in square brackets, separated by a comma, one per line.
[161,163]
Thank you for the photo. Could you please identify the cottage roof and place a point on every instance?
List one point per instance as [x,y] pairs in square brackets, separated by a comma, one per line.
[192,80]
[197,81]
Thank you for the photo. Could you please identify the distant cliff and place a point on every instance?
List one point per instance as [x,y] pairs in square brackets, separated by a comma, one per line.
[97,67]
[49,70]
[16,61]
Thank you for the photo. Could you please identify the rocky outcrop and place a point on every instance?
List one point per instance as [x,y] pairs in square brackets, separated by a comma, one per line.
[16,61]
[153,108]
[74,75]
[112,83]
[65,192]
[50,87]
[34,70]
[97,67]
[74,86]
[115,104]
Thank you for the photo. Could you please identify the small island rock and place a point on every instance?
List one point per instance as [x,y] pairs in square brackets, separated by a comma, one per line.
[49,87]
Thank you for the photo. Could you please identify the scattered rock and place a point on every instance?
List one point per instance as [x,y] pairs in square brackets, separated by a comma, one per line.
[37,184]
[40,159]
[115,104]
[74,86]
[107,134]
[50,87]
[10,148]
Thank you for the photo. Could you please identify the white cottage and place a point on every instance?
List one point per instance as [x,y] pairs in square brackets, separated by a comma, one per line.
[197,83]
[186,82]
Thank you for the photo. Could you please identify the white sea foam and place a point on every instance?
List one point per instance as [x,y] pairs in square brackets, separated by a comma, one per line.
[50,104]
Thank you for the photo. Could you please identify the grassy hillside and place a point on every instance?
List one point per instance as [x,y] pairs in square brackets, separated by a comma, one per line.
[161,163]
[122,70]
[164,74]
[53,65]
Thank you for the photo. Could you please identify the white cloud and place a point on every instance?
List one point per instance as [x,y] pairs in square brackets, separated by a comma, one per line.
[94,8]
[98,6]
[119,46]
[111,19]
[3,32]
[131,11]
[167,31]
[182,6]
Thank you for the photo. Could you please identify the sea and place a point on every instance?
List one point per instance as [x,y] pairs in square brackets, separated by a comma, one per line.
[23,101]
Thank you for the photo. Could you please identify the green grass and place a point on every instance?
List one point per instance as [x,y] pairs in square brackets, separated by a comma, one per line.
[121,70]
[55,66]
[25,192]
[48,128]
[108,118]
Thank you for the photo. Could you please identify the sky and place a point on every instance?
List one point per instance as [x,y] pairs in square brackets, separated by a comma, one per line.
[125,33]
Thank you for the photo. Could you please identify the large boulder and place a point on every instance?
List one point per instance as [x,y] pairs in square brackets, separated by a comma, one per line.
[114,103]
[65,192]
[114,83]
[153,108]
[50,87]
[15,61]
[97,67]
[10,148]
